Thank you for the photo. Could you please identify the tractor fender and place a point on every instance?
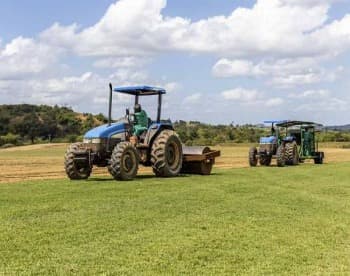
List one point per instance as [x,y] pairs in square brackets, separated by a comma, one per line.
[289,139]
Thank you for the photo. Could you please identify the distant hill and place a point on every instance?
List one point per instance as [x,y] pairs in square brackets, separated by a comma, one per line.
[338,128]
[24,123]
[30,122]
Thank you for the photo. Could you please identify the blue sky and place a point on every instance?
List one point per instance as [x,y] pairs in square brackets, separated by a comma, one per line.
[220,60]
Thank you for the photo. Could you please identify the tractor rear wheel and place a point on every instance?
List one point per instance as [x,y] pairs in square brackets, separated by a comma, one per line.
[166,155]
[124,162]
[291,153]
[319,159]
[74,170]
[281,161]
[253,159]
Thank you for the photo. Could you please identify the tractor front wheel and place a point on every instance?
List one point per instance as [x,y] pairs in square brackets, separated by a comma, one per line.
[75,171]
[265,160]
[253,157]
[166,155]
[124,162]
[281,161]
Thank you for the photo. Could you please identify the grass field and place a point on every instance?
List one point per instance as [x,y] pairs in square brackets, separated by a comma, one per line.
[293,220]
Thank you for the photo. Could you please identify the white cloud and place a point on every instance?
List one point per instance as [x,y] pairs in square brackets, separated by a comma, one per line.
[129,28]
[274,102]
[311,94]
[322,106]
[270,27]
[194,98]
[333,38]
[132,30]
[60,36]
[240,94]
[309,3]
[317,101]
[232,68]
[24,57]
[281,73]
[87,92]
[251,97]
[170,86]
[121,62]
[129,76]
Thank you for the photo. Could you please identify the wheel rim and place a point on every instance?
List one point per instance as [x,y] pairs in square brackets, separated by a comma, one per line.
[82,170]
[172,156]
[255,158]
[128,162]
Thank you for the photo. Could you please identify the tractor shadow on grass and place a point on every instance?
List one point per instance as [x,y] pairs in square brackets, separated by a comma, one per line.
[148,176]
[184,175]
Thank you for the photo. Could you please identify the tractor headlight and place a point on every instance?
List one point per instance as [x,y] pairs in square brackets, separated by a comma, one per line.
[96,141]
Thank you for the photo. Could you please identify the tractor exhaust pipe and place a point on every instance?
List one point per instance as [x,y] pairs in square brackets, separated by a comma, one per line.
[110,105]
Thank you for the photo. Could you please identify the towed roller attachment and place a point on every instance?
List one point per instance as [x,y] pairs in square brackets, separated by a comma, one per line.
[198,160]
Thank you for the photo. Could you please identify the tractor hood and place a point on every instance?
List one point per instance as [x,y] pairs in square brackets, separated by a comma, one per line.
[106,131]
[268,140]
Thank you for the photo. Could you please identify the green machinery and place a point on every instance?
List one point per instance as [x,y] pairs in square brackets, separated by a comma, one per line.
[290,143]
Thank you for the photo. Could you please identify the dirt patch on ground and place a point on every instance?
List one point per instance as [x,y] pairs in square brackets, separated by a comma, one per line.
[38,162]
[33,147]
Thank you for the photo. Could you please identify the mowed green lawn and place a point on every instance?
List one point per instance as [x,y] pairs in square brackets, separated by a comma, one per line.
[293,220]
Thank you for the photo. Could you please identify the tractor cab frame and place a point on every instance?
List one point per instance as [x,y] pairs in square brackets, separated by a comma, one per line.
[137,92]
[290,143]
[303,134]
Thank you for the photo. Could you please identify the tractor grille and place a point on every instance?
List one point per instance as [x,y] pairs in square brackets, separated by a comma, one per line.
[265,147]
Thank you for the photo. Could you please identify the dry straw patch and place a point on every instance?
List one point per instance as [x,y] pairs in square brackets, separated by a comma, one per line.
[36,162]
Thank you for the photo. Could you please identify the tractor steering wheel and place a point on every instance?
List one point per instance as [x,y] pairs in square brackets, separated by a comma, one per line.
[127,115]
[130,116]
[130,122]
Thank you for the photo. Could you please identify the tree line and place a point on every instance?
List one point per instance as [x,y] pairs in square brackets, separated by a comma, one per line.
[41,123]
[22,124]
[196,133]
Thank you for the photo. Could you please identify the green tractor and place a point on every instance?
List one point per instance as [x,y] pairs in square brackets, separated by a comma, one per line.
[290,143]
[136,139]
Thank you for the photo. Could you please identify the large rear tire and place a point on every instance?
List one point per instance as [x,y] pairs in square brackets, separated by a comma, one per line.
[73,170]
[291,154]
[124,162]
[166,155]
[281,161]
[253,157]
[319,159]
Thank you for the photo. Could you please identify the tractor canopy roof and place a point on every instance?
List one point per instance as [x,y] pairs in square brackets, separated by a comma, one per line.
[140,90]
[274,121]
[290,123]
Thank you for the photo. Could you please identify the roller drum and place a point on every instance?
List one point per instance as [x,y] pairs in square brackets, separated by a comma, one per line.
[197,150]
[203,167]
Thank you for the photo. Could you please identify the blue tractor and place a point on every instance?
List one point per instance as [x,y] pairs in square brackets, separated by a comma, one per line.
[290,142]
[136,139]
